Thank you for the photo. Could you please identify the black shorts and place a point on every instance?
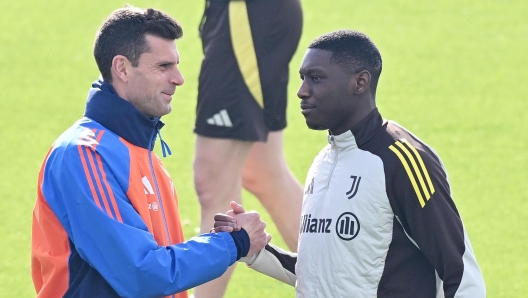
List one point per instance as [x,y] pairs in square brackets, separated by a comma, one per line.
[243,81]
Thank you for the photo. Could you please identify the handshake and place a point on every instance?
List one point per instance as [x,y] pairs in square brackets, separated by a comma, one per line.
[238,218]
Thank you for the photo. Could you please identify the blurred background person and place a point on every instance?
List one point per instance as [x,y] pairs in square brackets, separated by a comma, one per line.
[241,114]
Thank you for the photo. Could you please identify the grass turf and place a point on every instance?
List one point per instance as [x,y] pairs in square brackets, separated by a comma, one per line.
[453,74]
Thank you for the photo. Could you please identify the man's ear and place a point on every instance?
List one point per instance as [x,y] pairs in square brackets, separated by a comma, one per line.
[120,68]
[361,81]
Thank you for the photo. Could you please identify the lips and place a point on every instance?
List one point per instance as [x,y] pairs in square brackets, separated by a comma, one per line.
[306,108]
[169,94]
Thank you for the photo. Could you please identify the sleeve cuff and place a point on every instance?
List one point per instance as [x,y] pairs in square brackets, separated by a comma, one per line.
[242,242]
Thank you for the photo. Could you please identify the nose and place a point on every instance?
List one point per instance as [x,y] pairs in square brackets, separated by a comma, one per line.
[304,91]
[177,77]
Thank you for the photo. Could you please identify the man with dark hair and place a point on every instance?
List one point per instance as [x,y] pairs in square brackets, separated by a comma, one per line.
[378,218]
[124,32]
[106,220]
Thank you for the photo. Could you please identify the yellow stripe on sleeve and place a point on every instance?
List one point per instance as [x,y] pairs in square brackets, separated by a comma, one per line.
[409,173]
[244,49]
[416,169]
[422,165]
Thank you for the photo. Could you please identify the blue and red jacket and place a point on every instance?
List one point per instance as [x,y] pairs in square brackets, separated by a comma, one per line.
[106,223]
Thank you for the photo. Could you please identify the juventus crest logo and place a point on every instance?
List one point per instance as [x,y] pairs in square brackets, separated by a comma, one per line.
[354,188]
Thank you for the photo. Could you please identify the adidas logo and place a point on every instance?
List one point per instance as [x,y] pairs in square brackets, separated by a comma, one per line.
[220,119]
[147,186]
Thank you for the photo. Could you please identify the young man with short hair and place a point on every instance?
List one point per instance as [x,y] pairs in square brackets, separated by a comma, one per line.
[378,218]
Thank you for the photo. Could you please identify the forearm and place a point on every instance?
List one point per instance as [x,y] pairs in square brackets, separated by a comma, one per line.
[142,268]
[274,262]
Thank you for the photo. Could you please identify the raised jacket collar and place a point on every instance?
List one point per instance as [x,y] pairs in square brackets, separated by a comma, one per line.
[361,133]
[118,115]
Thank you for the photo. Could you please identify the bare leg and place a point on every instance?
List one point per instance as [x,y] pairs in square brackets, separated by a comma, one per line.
[222,166]
[267,176]
[218,166]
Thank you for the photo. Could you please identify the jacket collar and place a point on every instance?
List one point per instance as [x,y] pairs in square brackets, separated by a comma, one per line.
[368,127]
[361,133]
[118,115]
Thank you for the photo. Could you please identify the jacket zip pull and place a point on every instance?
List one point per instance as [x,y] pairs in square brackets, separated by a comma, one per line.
[164,147]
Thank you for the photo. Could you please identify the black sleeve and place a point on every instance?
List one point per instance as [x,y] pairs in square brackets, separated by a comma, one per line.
[421,199]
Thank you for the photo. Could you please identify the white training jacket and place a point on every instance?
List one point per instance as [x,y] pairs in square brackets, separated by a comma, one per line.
[378,220]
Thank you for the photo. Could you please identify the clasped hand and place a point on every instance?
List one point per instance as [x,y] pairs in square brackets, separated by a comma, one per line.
[238,218]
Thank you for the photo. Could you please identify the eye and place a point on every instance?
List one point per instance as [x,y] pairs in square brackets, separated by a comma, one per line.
[302,77]
[165,66]
[315,78]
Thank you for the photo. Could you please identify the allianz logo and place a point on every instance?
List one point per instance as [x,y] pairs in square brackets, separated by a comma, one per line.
[346,226]
[315,225]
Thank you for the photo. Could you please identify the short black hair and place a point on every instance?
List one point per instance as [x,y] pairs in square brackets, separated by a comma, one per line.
[353,50]
[123,33]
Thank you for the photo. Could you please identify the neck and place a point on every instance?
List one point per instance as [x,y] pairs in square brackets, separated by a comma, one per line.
[357,115]
[119,90]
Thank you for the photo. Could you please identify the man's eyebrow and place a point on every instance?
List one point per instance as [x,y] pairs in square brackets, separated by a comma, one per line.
[167,62]
[310,70]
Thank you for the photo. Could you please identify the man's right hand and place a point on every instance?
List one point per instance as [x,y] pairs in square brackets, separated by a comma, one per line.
[250,221]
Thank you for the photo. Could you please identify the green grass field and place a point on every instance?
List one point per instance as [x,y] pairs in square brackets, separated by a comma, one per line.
[454,74]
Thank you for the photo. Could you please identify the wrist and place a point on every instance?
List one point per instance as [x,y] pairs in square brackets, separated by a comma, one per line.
[242,242]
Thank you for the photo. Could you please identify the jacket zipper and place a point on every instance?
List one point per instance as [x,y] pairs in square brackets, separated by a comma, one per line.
[158,195]
[333,147]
